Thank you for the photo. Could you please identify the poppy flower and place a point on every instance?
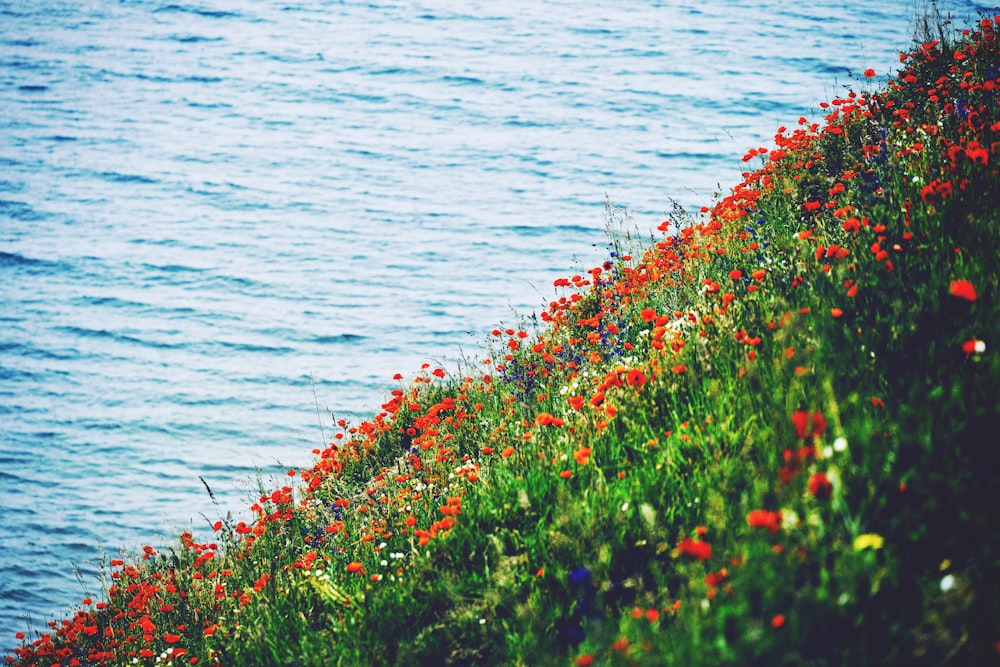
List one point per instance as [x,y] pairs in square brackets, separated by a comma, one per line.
[696,549]
[973,346]
[764,519]
[808,424]
[963,289]
[713,579]
[820,486]
[869,73]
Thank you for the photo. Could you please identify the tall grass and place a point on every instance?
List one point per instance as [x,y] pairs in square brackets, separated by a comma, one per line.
[767,436]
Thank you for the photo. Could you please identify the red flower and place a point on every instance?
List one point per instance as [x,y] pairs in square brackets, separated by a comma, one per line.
[819,485]
[869,73]
[808,424]
[735,274]
[695,549]
[636,378]
[355,566]
[715,578]
[977,153]
[764,519]
[963,289]
[973,346]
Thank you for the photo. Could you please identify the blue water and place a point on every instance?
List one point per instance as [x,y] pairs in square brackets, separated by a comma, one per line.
[226,223]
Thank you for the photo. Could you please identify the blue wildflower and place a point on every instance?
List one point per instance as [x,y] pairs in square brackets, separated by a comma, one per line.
[580,577]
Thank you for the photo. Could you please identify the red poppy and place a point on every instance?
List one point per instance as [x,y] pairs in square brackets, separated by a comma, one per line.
[636,378]
[963,289]
[819,486]
[713,579]
[695,549]
[808,424]
[869,73]
[973,346]
[764,519]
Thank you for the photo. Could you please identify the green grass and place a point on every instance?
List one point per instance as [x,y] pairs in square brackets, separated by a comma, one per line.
[765,437]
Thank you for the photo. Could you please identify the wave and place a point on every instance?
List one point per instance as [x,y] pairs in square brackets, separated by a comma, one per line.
[18,260]
[194,39]
[117,177]
[104,334]
[198,11]
[19,210]
[338,338]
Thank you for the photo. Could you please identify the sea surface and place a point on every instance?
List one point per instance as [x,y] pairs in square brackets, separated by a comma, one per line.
[225,224]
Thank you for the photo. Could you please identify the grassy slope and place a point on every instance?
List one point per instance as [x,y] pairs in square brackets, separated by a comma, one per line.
[766,437]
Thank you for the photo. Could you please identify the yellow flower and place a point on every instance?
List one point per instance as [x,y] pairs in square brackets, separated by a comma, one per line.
[868,541]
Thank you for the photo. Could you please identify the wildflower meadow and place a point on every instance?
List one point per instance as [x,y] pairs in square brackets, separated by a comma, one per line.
[766,434]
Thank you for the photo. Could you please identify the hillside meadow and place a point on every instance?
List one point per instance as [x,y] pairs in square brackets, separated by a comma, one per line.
[766,434]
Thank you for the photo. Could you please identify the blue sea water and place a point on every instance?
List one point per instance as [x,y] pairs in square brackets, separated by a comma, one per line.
[226,223]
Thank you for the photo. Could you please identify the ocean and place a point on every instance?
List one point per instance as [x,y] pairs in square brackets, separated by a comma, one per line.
[226,224]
